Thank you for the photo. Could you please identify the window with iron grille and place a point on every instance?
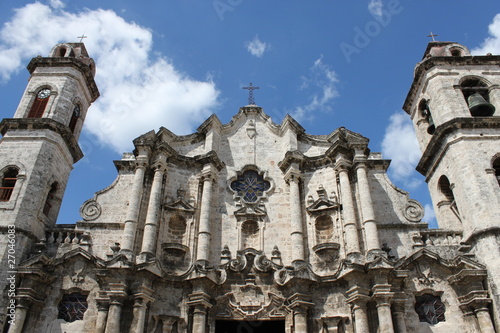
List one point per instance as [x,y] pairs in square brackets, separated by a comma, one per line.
[9,180]
[430,309]
[72,307]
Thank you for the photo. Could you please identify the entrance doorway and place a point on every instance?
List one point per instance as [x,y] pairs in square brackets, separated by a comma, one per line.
[244,326]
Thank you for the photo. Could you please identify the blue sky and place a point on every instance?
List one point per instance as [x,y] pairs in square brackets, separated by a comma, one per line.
[174,63]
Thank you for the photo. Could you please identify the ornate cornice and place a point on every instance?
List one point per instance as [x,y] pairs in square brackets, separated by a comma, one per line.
[29,124]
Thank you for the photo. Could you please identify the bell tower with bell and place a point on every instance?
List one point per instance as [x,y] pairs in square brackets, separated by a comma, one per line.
[454,104]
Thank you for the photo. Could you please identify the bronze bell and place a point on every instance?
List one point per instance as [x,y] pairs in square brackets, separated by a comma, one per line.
[479,107]
[432,128]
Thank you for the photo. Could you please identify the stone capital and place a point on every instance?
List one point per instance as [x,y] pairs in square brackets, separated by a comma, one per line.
[200,301]
[292,175]
[300,303]
[358,296]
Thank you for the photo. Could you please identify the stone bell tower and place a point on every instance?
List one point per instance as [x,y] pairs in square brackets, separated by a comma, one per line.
[40,143]
[454,103]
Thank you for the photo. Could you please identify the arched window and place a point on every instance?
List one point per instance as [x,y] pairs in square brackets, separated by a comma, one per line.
[496,166]
[72,307]
[176,229]
[38,107]
[250,235]
[74,117]
[476,94]
[423,107]
[324,229]
[445,188]
[430,309]
[50,199]
[9,180]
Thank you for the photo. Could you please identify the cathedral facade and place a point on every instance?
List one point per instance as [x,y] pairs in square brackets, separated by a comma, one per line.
[253,226]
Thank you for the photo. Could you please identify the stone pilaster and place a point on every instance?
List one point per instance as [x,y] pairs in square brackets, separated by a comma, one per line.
[292,177]
[358,297]
[369,224]
[204,227]
[349,214]
[141,299]
[300,305]
[153,215]
[22,307]
[134,202]
[200,304]
[383,295]
[102,314]
[116,295]
[398,313]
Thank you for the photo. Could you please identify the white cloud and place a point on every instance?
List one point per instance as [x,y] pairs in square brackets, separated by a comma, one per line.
[375,7]
[492,43]
[138,92]
[401,146]
[256,47]
[321,80]
[430,216]
[57,4]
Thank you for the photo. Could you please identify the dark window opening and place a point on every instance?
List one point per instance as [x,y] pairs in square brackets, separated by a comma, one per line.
[456,53]
[426,113]
[74,118]
[49,200]
[496,166]
[72,307]
[9,180]
[445,188]
[430,309]
[62,52]
[38,107]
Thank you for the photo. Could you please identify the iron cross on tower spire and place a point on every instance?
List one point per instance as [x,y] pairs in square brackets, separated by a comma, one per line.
[82,37]
[432,36]
[250,88]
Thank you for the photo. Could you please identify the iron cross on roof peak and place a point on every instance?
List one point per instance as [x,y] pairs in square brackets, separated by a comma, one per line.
[250,88]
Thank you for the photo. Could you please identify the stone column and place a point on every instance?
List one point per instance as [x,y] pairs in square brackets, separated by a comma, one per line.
[384,315]
[484,318]
[399,317]
[360,317]
[296,225]
[102,315]
[116,296]
[200,303]
[22,307]
[141,299]
[133,211]
[300,304]
[369,224]
[350,225]
[382,295]
[204,228]
[358,297]
[153,215]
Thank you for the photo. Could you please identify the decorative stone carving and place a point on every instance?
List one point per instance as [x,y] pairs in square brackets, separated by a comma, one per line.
[90,210]
[413,212]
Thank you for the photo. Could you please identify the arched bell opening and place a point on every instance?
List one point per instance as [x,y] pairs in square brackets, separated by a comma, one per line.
[476,94]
